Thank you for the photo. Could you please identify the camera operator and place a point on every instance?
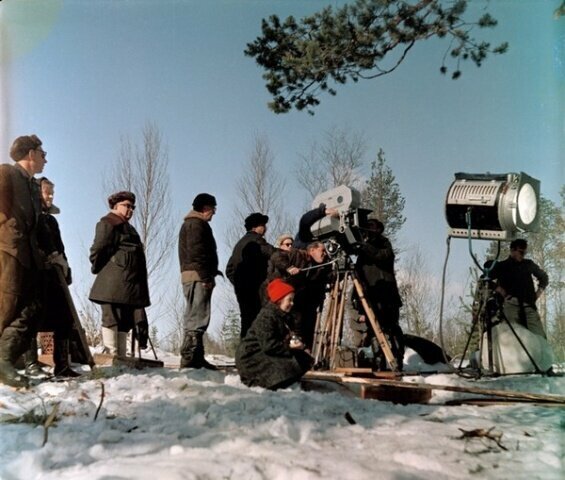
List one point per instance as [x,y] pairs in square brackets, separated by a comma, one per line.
[375,266]
[516,286]
[303,270]
[305,236]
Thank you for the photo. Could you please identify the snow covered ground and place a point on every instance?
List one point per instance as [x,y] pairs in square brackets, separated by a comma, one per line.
[192,424]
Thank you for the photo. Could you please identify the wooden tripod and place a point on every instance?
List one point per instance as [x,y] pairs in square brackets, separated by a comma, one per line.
[329,324]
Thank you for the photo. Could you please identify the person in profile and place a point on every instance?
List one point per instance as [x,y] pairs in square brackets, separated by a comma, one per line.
[198,258]
[271,355]
[20,257]
[247,268]
[307,272]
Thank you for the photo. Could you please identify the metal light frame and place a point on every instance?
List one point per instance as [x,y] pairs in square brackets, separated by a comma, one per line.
[492,206]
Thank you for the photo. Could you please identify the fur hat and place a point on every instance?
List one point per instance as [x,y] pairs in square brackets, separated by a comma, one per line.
[278,289]
[203,200]
[255,220]
[22,145]
[120,197]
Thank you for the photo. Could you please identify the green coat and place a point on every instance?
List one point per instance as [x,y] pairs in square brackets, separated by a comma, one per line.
[264,358]
[118,260]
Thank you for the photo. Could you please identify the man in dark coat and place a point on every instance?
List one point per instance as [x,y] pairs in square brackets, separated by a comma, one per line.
[198,259]
[515,284]
[270,355]
[118,260]
[20,259]
[303,269]
[247,268]
[375,266]
[305,237]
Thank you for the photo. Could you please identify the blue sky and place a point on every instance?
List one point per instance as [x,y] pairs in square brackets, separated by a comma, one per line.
[82,73]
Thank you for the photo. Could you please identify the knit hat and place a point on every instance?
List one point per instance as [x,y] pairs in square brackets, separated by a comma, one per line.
[255,220]
[203,200]
[278,289]
[282,238]
[120,197]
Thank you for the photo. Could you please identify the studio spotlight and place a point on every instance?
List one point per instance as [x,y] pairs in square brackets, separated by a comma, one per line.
[492,206]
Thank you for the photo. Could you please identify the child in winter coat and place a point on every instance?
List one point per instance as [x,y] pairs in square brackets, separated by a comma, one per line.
[270,355]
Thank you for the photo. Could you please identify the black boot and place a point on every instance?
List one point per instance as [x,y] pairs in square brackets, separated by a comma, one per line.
[61,358]
[188,353]
[192,352]
[32,366]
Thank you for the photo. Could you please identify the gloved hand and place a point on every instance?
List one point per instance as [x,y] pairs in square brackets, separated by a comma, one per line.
[59,261]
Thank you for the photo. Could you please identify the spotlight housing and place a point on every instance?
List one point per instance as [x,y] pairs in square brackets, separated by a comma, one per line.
[492,206]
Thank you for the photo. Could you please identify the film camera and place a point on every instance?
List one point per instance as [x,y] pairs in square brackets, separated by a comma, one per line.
[344,231]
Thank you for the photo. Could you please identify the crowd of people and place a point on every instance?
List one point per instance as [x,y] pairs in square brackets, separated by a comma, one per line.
[279,288]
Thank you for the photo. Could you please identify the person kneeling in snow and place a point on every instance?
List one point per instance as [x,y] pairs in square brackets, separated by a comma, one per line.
[270,355]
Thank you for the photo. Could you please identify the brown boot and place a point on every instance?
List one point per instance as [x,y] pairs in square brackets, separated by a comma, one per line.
[10,376]
[11,346]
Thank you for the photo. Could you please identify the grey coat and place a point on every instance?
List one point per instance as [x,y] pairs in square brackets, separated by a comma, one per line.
[264,358]
[118,260]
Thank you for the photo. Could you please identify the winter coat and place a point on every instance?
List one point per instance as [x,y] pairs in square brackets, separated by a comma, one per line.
[20,206]
[309,285]
[375,265]
[197,248]
[118,260]
[55,312]
[247,266]
[516,279]
[264,358]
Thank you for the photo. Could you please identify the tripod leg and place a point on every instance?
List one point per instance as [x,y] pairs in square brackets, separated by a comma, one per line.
[473,328]
[336,337]
[323,337]
[381,338]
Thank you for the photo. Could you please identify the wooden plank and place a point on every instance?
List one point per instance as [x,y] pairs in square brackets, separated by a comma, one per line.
[355,372]
[132,362]
[509,394]
[394,394]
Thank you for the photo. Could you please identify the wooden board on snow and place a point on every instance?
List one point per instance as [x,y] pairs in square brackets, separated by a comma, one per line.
[132,362]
